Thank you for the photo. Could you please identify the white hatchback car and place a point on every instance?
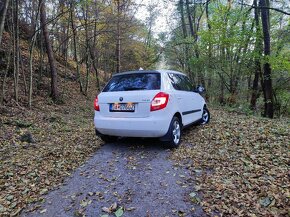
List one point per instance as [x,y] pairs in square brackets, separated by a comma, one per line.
[155,103]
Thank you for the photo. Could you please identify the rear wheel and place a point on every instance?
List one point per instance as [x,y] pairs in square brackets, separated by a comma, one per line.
[174,133]
[205,116]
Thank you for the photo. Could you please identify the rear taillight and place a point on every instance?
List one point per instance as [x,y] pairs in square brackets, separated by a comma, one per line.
[96,104]
[160,101]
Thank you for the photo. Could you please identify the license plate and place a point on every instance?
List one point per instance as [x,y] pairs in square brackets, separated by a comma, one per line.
[122,107]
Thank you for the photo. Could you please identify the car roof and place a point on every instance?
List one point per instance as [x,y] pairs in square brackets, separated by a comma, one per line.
[162,71]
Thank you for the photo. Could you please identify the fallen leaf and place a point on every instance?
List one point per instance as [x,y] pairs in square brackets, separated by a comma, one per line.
[130,208]
[42,211]
[85,203]
[113,207]
[106,209]
[192,194]
[119,212]
[266,201]
[44,191]
[9,197]
[2,208]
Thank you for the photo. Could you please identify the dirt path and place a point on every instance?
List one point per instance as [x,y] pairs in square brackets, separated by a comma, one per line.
[139,178]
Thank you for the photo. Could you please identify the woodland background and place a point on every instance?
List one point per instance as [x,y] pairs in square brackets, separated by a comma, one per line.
[238,50]
[55,56]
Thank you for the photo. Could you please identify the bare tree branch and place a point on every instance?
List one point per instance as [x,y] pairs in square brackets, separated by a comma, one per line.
[270,8]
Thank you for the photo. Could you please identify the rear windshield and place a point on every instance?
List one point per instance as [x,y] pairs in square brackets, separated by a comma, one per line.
[137,81]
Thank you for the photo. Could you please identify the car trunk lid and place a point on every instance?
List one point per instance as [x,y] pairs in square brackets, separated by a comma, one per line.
[133,103]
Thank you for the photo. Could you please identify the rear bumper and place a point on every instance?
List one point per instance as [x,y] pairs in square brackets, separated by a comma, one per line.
[155,126]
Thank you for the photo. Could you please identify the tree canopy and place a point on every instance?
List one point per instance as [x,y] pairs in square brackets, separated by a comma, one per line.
[238,50]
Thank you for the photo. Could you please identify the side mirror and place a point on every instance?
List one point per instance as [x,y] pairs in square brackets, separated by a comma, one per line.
[200,89]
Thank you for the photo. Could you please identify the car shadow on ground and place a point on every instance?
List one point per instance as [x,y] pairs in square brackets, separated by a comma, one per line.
[139,143]
[148,144]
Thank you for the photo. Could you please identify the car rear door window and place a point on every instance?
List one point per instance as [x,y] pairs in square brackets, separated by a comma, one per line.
[180,82]
[186,84]
[136,81]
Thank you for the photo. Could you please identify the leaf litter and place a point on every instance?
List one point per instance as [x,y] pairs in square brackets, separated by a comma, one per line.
[42,146]
[240,164]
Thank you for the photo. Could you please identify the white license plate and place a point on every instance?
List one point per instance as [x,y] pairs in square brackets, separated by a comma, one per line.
[122,107]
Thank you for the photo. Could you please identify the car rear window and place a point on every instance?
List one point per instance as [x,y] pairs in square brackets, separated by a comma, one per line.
[136,81]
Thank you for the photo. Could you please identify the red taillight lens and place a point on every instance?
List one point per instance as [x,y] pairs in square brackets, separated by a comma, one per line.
[96,104]
[160,101]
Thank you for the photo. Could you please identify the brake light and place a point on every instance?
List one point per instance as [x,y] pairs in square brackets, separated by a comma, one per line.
[96,104]
[159,101]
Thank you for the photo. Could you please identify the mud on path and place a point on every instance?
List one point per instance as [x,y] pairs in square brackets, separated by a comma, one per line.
[140,179]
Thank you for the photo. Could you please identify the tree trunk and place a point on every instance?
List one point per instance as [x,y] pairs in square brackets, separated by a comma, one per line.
[94,59]
[34,10]
[207,14]
[41,60]
[2,98]
[187,65]
[2,18]
[31,71]
[63,32]
[54,90]
[16,50]
[222,98]
[258,49]
[189,18]
[207,94]
[118,43]
[88,60]
[255,87]
[182,19]
[268,90]
[33,40]
[151,19]
[23,73]
[66,47]
[79,79]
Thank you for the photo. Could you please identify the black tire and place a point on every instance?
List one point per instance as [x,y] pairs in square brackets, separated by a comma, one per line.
[108,139]
[174,133]
[205,118]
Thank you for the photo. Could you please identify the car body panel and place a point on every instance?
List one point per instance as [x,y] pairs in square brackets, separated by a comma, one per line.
[190,110]
[155,125]
[141,100]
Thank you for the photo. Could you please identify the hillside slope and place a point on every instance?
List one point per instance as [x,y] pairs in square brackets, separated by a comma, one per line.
[42,145]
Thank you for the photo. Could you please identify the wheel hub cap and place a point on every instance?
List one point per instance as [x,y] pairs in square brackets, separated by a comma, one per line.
[176,132]
[205,116]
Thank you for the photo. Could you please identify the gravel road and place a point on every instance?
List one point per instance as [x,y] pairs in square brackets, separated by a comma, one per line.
[127,179]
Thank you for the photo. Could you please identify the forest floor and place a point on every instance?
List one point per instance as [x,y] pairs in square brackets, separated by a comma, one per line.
[240,164]
[41,146]
[235,165]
